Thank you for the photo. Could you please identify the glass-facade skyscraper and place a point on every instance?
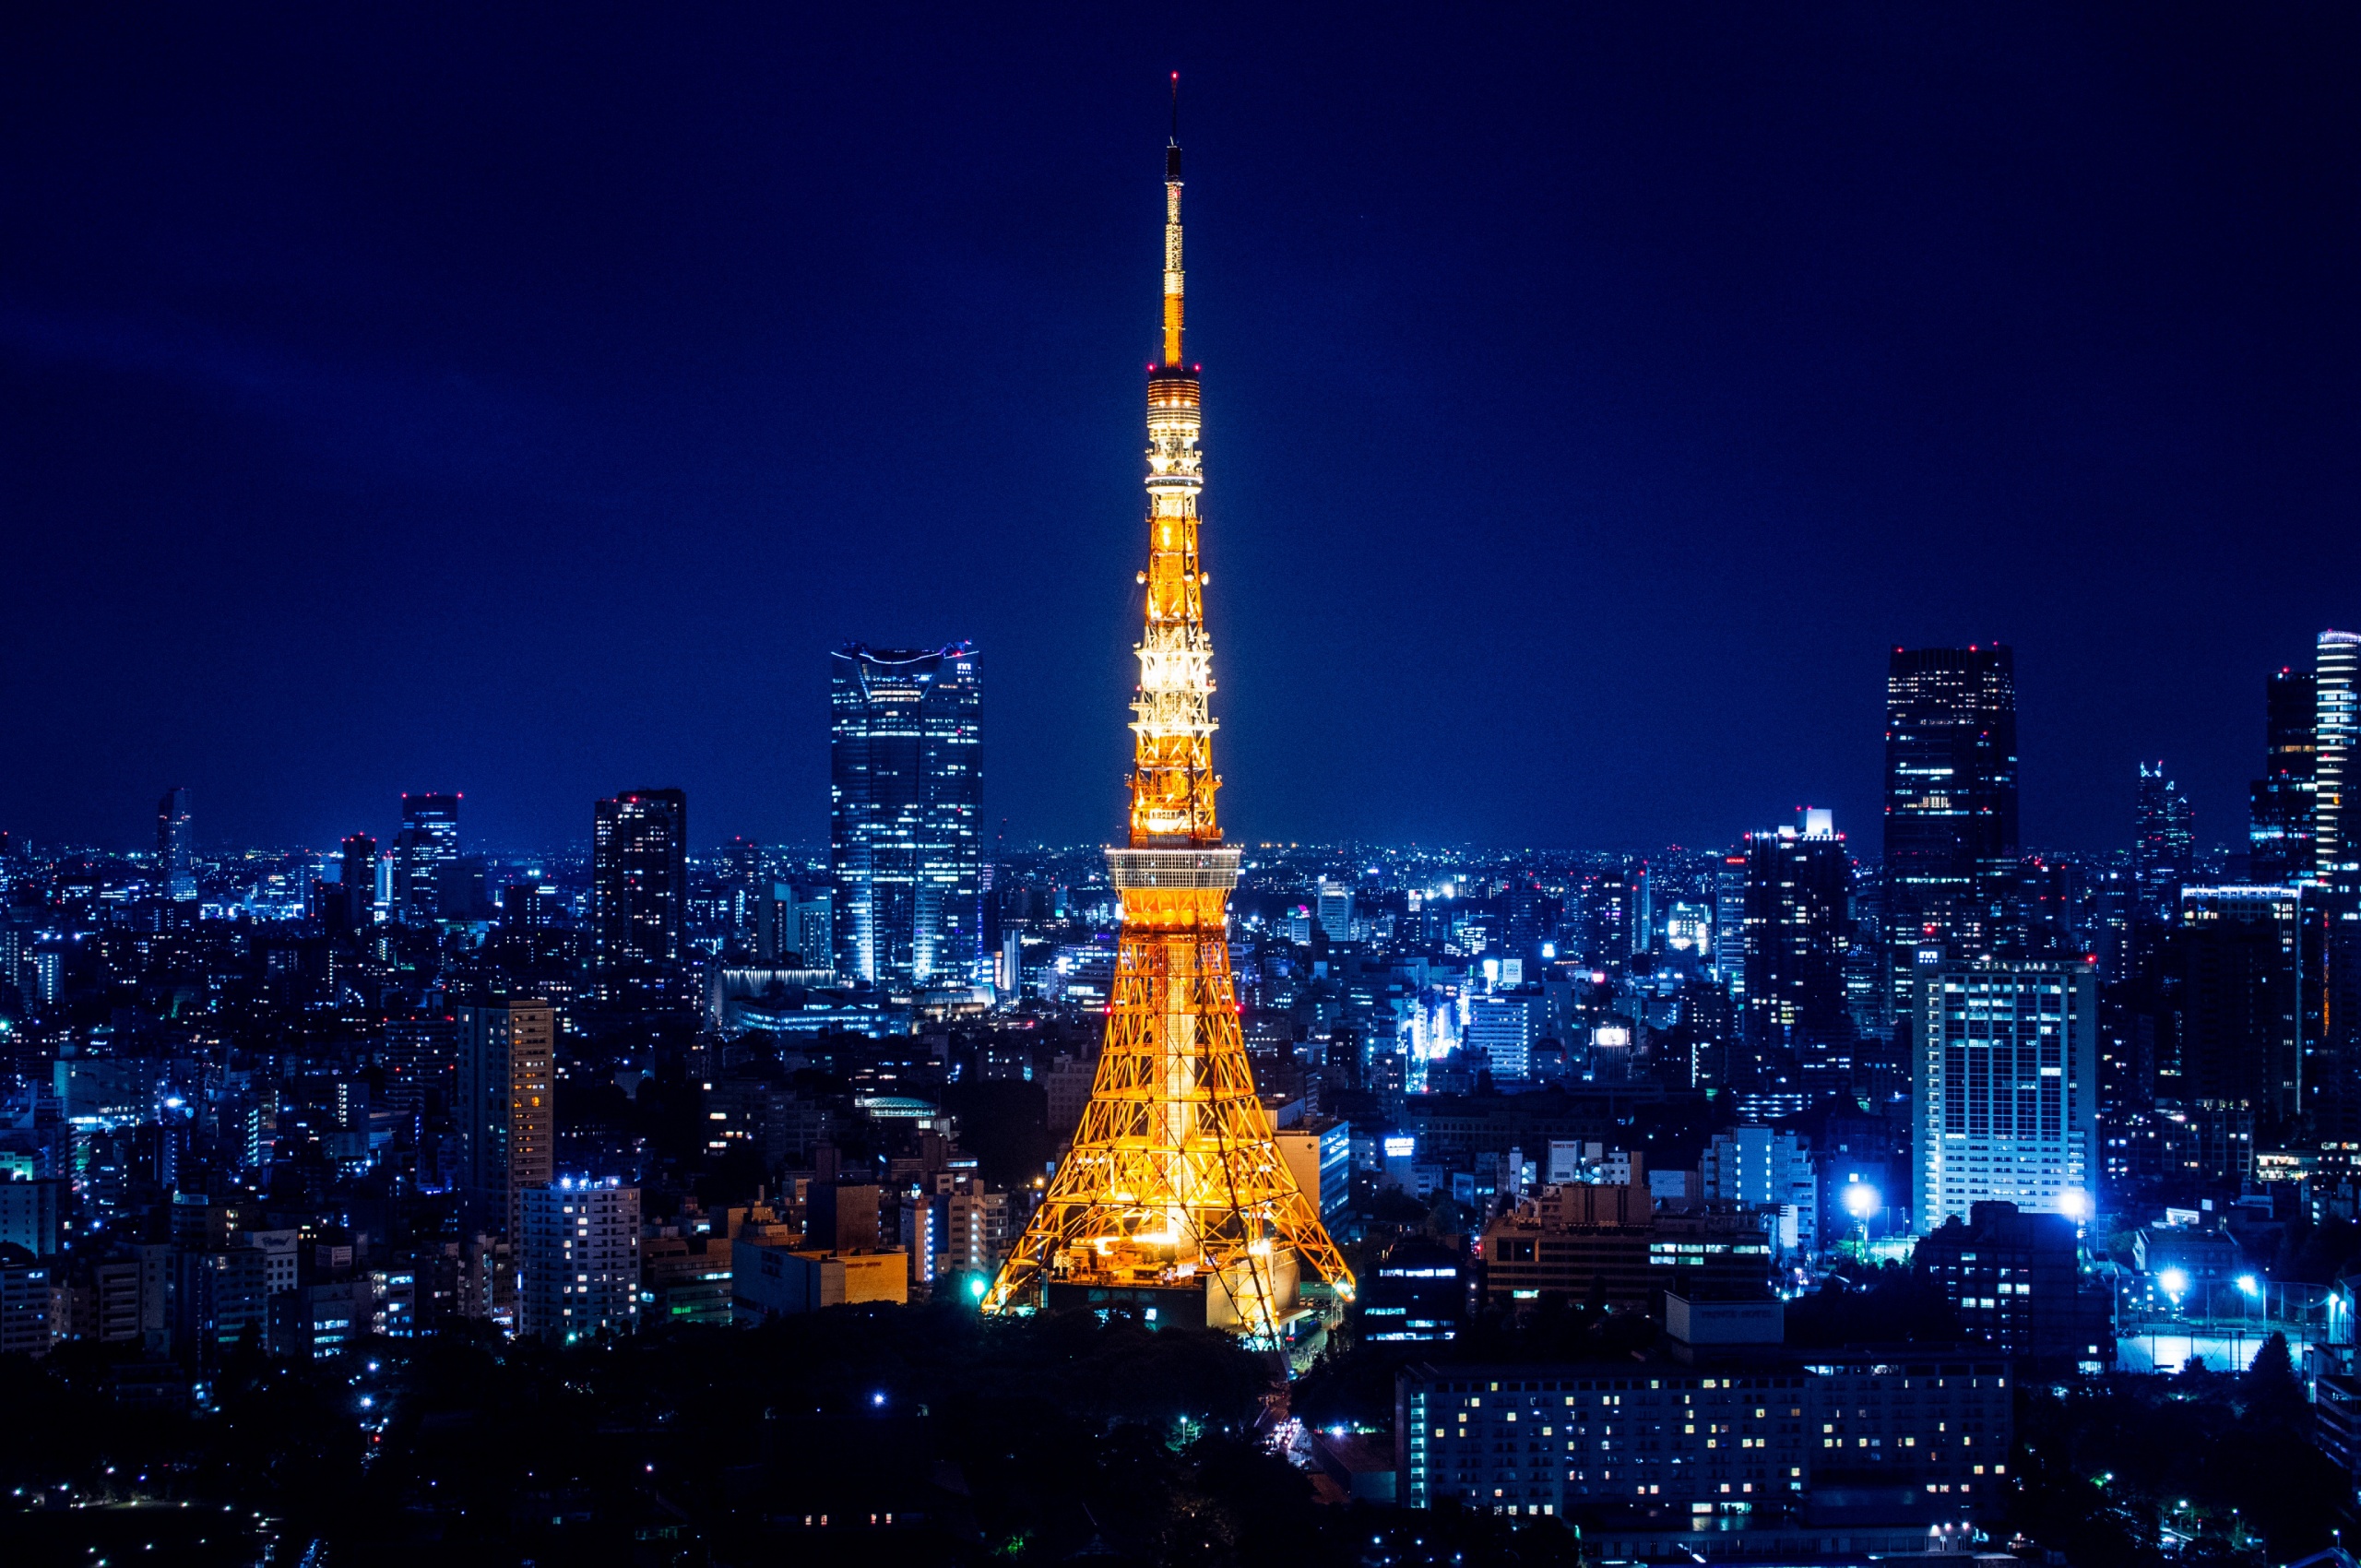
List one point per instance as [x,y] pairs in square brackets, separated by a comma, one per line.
[2336,725]
[905,814]
[639,879]
[429,841]
[1798,929]
[1951,804]
[2279,830]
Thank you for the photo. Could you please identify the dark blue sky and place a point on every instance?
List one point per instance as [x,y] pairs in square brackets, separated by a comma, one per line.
[524,402]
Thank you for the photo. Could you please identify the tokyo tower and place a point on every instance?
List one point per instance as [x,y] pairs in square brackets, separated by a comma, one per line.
[1175,1200]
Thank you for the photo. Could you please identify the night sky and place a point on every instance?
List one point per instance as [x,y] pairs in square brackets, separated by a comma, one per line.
[525,407]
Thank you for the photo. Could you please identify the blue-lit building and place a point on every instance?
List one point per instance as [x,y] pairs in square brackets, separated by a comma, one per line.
[906,803]
[428,842]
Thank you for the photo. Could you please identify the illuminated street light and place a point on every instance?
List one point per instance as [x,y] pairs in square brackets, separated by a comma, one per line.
[2247,1283]
[2175,1281]
[1861,1200]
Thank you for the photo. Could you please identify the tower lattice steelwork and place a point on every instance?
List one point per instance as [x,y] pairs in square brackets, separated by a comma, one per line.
[1175,1192]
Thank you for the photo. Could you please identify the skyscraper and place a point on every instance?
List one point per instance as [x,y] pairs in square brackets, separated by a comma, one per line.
[2279,831]
[2241,993]
[2336,723]
[905,814]
[428,842]
[639,880]
[1798,932]
[357,874]
[1951,803]
[2006,1089]
[175,867]
[2164,844]
[506,1110]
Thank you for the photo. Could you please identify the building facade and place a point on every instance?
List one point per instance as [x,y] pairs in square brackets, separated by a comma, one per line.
[427,845]
[2336,725]
[2279,829]
[1932,1431]
[577,1261]
[1797,934]
[2005,1089]
[1950,802]
[506,1106]
[639,881]
[175,853]
[2241,1000]
[905,800]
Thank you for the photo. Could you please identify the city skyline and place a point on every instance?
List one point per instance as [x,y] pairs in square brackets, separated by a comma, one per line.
[1609,417]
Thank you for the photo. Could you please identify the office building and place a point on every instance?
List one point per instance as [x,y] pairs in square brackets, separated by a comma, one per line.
[2015,1281]
[504,1110]
[639,880]
[1596,1243]
[906,794]
[1951,803]
[1417,1293]
[1334,911]
[2241,1001]
[1798,932]
[2005,1089]
[1752,1429]
[2279,829]
[578,1265]
[1501,1029]
[1768,1171]
[428,842]
[357,877]
[176,852]
[2336,724]
[1319,1152]
[2164,844]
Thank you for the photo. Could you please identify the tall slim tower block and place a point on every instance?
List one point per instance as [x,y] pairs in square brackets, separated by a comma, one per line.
[639,879]
[175,868]
[2336,726]
[905,814]
[428,842]
[1175,1196]
[2279,831]
[507,1110]
[1951,804]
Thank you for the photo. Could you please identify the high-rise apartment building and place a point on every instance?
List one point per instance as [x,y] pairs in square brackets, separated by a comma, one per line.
[1950,802]
[1797,931]
[428,842]
[639,880]
[2005,1089]
[505,1104]
[2279,831]
[2336,724]
[577,1260]
[175,854]
[2164,844]
[2241,1000]
[905,800]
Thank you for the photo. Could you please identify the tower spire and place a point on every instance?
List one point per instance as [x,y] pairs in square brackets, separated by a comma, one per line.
[1173,236]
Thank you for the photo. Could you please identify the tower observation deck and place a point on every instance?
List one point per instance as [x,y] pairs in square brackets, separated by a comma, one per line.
[1175,1195]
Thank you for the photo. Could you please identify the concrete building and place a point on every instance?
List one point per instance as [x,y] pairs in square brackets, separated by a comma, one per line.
[506,1110]
[2005,1089]
[577,1269]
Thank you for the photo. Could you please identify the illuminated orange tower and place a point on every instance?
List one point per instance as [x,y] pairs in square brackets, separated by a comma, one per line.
[1175,1195]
